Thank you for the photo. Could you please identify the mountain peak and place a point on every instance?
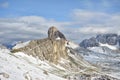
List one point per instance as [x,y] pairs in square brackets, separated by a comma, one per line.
[49,48]
[54,33]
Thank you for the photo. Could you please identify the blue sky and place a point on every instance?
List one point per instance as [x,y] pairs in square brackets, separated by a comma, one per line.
[75,18]
[57,9]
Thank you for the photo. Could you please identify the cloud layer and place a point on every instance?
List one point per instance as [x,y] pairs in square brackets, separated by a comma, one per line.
[83,24]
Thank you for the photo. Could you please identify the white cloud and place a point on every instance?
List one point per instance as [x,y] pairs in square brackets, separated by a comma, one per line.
[32,19]
[4,4]
[93,30]
[96,22]
[27,27]
[84,24]
[85,16]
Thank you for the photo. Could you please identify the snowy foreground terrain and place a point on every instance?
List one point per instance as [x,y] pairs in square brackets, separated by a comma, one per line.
[20,66]
[23,67]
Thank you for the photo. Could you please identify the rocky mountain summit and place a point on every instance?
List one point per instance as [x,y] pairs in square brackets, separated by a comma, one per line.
[110,39]
[51,48]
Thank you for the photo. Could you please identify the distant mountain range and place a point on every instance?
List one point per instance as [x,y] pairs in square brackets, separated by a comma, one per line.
[109,39]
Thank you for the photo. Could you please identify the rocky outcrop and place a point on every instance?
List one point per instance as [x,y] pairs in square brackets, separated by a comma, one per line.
[46,49]
[92,42]
[53,33]
[110,39]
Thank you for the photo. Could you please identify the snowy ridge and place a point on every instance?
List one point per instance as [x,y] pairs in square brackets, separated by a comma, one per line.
[14,67]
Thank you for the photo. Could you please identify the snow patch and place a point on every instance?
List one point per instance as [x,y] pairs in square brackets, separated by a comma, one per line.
[20,45]
[109,46]
[96,49]
[58,38]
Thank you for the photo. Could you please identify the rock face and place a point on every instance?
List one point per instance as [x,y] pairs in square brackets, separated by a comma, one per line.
[53,33]
[119,40]
[89,43]
[110,39]
[46,49]
[50,49]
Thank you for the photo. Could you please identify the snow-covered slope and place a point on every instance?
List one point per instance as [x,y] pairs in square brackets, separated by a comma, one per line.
[104,48]
[112,47]
[21,44]
[23,67]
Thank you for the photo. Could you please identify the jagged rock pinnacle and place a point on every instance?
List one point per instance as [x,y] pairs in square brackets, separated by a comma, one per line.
[54,33]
